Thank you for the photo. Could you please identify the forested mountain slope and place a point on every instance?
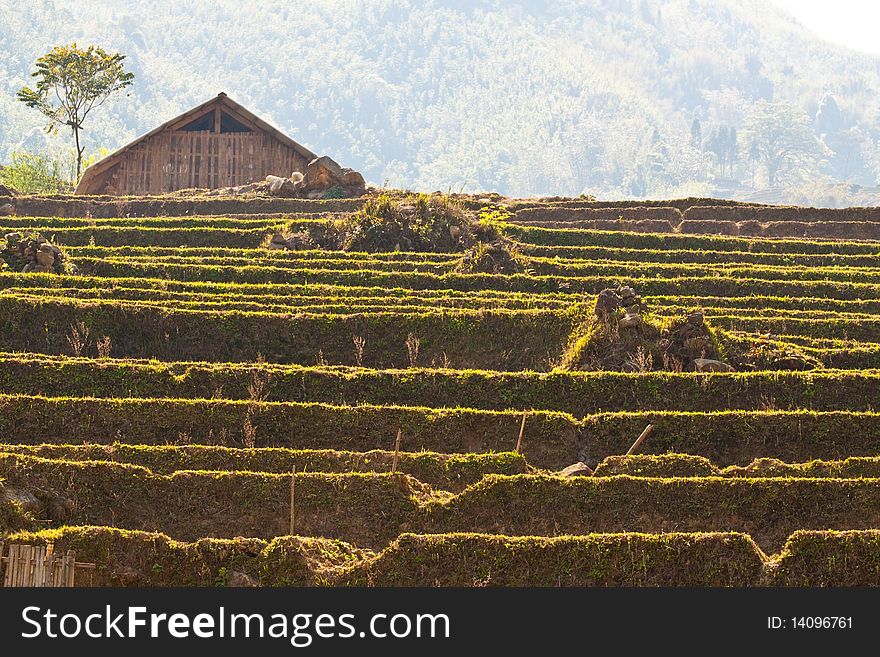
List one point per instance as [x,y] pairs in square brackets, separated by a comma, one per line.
[614,98]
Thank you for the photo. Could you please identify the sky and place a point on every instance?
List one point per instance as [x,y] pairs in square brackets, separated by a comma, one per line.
[851,23]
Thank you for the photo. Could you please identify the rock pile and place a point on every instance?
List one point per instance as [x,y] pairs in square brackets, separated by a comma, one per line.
[323,178]
[32,254]
[293,242]
[622,304]
[323,174]
[623,338]
[689,341]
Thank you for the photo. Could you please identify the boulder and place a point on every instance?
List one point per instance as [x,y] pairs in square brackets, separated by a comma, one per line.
[709,365]
[696,319]
[128,576]
[623,298]
[579,469]
[322,173]
[25,499]
[241,580]
[7,209]
[45,257]
[293,241]
[6,191]
[60,509]
[630,320]
[607,302]
[283,187]
[278,242]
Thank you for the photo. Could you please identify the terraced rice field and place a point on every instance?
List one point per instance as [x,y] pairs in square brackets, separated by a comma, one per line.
[153,405]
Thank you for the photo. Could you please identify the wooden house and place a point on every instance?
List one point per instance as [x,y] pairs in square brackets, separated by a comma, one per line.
[216,144]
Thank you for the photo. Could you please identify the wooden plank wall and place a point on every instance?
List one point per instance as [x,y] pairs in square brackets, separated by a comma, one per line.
[38,565]
[183,160]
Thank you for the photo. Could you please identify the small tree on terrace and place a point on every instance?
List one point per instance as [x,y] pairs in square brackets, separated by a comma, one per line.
[71,82]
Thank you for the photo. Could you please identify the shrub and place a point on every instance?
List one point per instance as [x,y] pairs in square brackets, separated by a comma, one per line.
[334,192]
[30,173]
[498,257]
[412,223]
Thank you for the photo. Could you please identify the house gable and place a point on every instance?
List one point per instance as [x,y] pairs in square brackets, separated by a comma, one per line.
[216,144]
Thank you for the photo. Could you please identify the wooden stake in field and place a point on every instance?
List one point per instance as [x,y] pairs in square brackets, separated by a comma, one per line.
[292,492]
[396,451]
[640,439]
[522,428]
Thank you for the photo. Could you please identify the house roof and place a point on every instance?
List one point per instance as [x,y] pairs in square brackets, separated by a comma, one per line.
[91,173]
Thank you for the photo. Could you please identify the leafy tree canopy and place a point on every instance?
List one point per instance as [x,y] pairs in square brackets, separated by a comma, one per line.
[70,83]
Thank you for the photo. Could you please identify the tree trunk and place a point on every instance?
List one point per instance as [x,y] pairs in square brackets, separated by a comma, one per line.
[79,154]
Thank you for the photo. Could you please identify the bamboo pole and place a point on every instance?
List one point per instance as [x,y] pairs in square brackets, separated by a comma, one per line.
[39,566]
[396,452]
[10,565]
[640,439]
[51,569]
[51,564]
[70,558]
[522,428]
[26,563]
[292,494]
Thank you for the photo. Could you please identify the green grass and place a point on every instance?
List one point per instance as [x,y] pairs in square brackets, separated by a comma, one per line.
[231,363]
[551,439]
[576,393]
[442,471]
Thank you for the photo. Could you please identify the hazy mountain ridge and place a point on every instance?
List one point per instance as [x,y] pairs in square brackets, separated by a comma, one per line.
[596,97]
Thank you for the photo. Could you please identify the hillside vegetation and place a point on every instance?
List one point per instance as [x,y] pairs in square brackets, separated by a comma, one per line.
[156,395]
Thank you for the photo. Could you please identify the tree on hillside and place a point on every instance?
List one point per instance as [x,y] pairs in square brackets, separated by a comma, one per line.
[780,138]
[71,82]
[696,132]
[723,144]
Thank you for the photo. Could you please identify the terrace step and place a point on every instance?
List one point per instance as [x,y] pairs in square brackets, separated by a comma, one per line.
[576,393]
[371,510]
[809,558]
[727,477]
[452,472]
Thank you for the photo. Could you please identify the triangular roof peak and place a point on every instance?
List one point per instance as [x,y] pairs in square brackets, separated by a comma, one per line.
[94,171]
